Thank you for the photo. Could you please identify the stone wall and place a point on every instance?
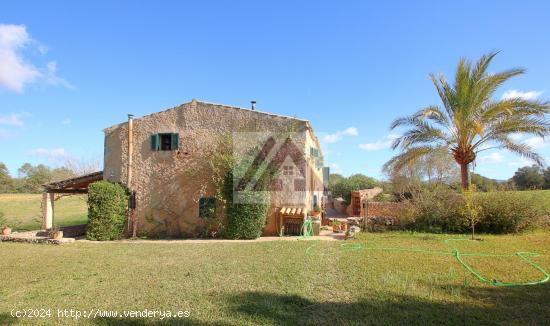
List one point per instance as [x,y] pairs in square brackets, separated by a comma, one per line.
[383,209]
[169,184]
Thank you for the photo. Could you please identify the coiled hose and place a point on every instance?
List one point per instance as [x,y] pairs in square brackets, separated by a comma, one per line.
[458,255]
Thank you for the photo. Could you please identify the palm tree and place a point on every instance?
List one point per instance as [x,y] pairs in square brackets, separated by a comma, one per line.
[470,120]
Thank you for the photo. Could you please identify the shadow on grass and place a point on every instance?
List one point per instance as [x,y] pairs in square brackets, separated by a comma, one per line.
[527,305]
[151,322]
[480,306]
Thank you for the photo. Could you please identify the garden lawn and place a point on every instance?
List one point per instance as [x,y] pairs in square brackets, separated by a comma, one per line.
[23,211]
[267,283]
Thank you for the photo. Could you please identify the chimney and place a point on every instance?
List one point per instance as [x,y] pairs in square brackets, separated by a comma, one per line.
[130,150]
[131,223]
[253,105]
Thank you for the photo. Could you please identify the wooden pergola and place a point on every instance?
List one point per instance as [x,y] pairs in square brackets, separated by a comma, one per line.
[78,185]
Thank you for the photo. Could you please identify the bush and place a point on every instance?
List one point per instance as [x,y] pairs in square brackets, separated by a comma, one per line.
[444,210]
[246,214]
[107,209]
[506,212]
[440,210]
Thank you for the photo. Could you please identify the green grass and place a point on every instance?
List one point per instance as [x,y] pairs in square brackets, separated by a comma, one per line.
[23,211]
[274,283]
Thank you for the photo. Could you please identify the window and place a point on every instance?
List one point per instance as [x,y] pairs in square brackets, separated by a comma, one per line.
[165,142]
[314,152]
[207,207]
[288,170]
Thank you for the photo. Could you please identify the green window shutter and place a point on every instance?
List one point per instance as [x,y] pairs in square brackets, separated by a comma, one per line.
[175,141]
[314,152]
[326,174]
[155,142]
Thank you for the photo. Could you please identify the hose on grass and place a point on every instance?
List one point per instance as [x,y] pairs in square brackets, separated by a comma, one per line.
[525,256]
[307,228]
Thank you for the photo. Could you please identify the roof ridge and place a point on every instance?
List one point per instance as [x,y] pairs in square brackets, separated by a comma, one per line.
[210,103]
[248,109]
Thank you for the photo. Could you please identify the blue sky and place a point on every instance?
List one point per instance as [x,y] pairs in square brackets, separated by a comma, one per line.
[70,69]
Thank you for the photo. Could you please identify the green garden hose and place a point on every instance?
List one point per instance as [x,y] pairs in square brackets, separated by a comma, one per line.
[307,228]
[458,255]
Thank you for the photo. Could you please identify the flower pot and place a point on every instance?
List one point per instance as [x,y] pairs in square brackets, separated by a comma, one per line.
[344,227]
[6,231]
[335,228]
[315,214]
[56,235]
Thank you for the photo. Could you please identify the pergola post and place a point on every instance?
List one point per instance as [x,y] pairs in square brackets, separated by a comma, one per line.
[47,210]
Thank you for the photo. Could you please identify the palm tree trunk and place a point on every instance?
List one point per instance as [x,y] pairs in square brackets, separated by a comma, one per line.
[464,176]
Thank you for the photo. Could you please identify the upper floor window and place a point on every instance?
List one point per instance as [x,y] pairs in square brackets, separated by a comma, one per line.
[165,142]
[288,170]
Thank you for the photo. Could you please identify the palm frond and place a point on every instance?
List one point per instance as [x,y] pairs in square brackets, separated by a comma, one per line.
[411,155]
[521,149]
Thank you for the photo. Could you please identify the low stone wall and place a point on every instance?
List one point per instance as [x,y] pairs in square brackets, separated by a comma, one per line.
[383,209]
[74,231]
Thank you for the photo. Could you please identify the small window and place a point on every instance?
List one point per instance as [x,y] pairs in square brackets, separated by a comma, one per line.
[314,152]
[165,142]
[207,207]
[288,170]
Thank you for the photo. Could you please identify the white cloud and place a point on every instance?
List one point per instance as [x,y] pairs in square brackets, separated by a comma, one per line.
[521,162]
[516,136]
[492,158]
[15,71]
[51,76]
[12,120]
[335,168]
[535,142]
[530,95]
[66,122]
[337,136]
[52,155]
[380,144]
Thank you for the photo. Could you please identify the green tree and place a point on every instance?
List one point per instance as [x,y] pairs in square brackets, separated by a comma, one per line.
[547,178]
[355,182]
[529,177]
[33,177]
[485,184]
[470,120]
[6,181]
[333,179]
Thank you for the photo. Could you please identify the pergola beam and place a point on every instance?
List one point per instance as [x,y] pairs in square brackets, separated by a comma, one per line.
[78,185]
[67,191]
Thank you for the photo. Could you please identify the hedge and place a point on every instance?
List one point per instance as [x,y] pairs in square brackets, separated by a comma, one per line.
[107,211]
[444,211]
[246,211]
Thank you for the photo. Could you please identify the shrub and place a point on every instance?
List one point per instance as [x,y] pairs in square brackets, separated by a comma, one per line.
[506,212]
[246,214]
[107,209]
[444,210]
[437,211]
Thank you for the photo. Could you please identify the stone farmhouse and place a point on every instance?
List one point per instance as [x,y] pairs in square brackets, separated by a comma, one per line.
[168,161]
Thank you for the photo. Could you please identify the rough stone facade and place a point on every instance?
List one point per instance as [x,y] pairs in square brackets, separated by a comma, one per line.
[169,184]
